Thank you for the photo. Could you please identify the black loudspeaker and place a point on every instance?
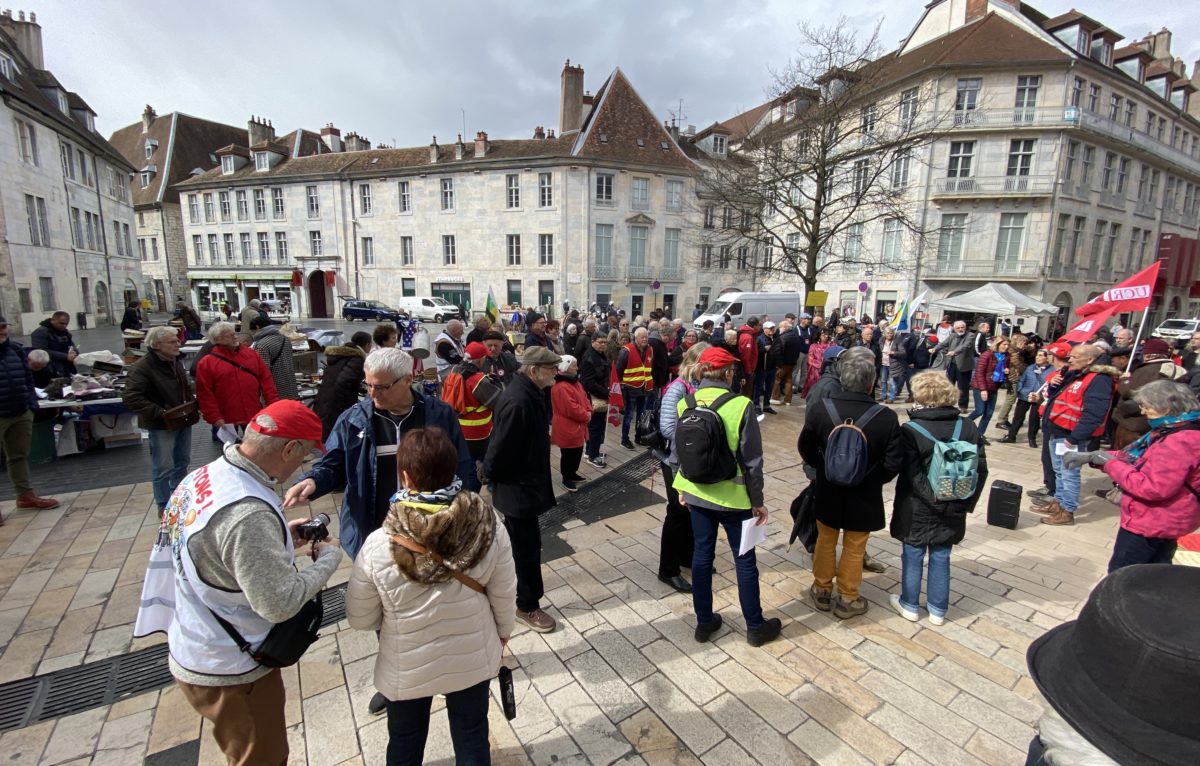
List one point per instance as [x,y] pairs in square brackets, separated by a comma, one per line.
[1004,504]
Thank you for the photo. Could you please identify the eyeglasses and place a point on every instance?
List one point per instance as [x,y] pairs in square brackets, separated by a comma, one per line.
[381,387]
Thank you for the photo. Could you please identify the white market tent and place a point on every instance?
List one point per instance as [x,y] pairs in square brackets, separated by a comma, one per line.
[996,298]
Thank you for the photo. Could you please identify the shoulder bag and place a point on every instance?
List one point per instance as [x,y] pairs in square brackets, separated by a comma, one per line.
[286,642]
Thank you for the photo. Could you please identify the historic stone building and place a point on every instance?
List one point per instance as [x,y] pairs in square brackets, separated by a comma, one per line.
[64,200]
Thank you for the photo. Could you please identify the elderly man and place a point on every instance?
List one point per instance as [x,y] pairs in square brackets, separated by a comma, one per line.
[39,365]
[18,403]
[517,466]
[223,573]
[448,348]
[232,381]
[1078,401]
[482,325]
[53,337]
[276,352]
[157,383]
[583,341]
[959,349]
[849,512]
[535,334]
[634,365]
[1123,348]
[500,362]
[248,314]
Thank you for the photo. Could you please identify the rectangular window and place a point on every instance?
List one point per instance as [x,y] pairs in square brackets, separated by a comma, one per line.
[25,298]
[260,205]
[512,191]
[368,251]
[449,250]
[46,288]
[447,194]
[76,227]
[1154,176]
[604,239]
[604,187]
[1060,238]
[866,119]
[141,245]
[710,217]
[545,190]
[1099,235]
[854,243]
[725,256]
[226,210]
[210,214]
[261,161]
[1109,171]
[862,176]
[364,199]
[637,247]
[281,247]
[706,257]
[86,292]
[1012,235]
[90,225]
[1130,114]
[120,242]
[719,144]
[671,248]
[1085,174]
[1071,161]
[641,194]
[950,238]
[39,225]
[230,257]
[545,249]
[277,208]
[408,287]
[1026,102]
[314,243]
[129,242]
[406,251]
[264,248]
[674,196]
[198,249]
[900,167]
[1151,121]
[1093,97]
[67,155]
[962,158]
[227,165]
[243,211]
[514,292]
[893,240]
[1114,107]
[909,105]
[27,137]
[513,242]
[214,252]
[314,201]
[966,99]
[743,258]
[1020,157]
[1077,234]
[1077,91]
[193,208]
[405,197]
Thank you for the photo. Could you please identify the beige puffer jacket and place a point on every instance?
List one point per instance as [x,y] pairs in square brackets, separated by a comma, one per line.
[434,639]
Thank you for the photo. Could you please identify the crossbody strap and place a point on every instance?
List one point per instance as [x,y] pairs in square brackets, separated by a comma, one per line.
[244,369]
[241,642]
[416,547]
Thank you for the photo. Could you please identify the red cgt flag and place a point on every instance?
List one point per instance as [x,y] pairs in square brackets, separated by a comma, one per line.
[616,400]
[1083,331]
[1131,295]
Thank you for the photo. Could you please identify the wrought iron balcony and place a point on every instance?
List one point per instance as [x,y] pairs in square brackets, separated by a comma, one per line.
[994,186]
[982,269]
[604,271]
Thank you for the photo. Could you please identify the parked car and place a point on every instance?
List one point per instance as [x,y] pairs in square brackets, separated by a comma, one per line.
[368,311]
[430,309]
[1177,329]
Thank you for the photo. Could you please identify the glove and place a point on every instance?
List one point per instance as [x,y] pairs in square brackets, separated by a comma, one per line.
[1078,459]
[1100,458]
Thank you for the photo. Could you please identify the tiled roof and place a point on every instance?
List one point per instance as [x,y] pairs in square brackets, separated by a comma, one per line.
[1129,51]
[272,146]
[302,143]
[75,101]
[621,118]
[235,149]
[194,141]
[741,125]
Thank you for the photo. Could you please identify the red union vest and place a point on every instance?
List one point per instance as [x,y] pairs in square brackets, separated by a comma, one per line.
[638,376]
[1067,407]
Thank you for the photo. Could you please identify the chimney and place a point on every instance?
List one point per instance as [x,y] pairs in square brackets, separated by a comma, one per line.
[434,152]
[259,130]
[976,10]
[550,134]
[481,144]
[538,133]
[148,117]
[672,129]
[1161,47]
[332,137]
[26,34]
[570,112]
[356,143]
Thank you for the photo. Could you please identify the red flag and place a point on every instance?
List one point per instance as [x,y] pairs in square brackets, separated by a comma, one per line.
[616,400]
[1084,330]
[1131,295]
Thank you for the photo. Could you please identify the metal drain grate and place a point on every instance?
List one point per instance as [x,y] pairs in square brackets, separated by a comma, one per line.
[74,690]
[599,492]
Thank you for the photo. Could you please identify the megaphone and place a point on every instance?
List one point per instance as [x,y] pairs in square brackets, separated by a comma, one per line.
[420,344]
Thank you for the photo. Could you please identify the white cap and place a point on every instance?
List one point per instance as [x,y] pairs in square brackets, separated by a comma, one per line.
[768,325]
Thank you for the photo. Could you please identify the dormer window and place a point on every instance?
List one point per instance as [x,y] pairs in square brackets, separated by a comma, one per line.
[151,145]
[227,165]
[261,161]
[1132,67]
[1158,86]
[1101,49]
[791,108]
[63,106]
[8,67]
[1179,98]
[719,145]
[145,178]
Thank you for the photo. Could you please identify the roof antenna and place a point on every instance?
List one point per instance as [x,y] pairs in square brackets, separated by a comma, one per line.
[678,114]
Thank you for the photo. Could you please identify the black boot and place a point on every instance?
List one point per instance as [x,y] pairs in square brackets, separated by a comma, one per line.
[1009,439]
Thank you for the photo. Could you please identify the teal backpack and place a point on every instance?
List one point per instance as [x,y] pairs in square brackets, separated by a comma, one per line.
[954,466]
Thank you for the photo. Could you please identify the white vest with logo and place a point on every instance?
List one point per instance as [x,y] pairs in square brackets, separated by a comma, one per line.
[444,367]
[176,600]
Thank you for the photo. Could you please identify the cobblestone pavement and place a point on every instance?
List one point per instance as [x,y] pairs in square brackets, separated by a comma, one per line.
[622,679]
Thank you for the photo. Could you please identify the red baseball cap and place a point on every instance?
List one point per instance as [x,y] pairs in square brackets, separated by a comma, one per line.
[476,350]
[716,358]
[1060,349]
[292,421]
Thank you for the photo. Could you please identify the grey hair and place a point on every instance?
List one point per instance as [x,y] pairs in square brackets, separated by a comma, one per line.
[454,324]
[255,302]
[640,332]
[264,444]
[156,335]
[216,329]
[1065,746]
[1168,396]
[396,361]
[39,356]
[856,370]
[589,324]
[1102,345]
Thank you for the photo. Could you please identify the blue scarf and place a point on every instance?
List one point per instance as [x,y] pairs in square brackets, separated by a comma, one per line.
[429,502]
[1160,427]
[1001,370]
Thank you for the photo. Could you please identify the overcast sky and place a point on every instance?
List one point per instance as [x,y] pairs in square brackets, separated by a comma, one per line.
[401,72]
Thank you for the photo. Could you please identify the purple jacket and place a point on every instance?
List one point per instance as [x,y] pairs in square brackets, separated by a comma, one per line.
[1155,497]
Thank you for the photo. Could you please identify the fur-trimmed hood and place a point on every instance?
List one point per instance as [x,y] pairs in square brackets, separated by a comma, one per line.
[348,349]
[1104,369]
[461,534]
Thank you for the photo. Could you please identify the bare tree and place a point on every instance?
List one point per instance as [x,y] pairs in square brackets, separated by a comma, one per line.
[843,151]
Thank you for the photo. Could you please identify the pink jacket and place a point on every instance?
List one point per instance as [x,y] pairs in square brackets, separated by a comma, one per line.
[572,411]
[1155,497]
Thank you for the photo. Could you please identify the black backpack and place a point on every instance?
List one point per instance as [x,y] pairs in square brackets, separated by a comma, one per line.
[846,457]
[701,444]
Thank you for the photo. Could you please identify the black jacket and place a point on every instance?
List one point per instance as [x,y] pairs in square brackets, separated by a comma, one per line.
[660,371]
[918,519]
[517,462]
[153,385]
[582,343]
[595,373]
[828,384]
[858,509]
[340,384]
[16,381]
[791,346]
[56,344]
[505,368]
[131,320]
[808,336]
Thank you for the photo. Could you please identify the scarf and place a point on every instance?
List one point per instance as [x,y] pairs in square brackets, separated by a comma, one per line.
[429,501]
[1160,427]
[1001,370]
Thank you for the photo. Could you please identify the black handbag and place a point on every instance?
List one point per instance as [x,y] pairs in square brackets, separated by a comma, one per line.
[647,433]
[286,642]
[804,516]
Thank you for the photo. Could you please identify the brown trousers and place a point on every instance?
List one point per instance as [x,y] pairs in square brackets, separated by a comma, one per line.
[247,719]
[848,570]
[783,382]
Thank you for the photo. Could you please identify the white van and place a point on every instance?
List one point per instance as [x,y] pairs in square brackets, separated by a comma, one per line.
[429,309]
[742,306]
[1177,329]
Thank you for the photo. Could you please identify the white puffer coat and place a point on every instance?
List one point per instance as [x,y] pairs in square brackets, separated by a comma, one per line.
[434,639]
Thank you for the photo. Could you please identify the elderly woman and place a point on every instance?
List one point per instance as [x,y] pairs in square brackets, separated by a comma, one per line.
[923,524]
[554,336]
[156,383]
[1158,475]
[676,549]
[438,583]
[232,381]
[991,370]
[343,378]
[571,410]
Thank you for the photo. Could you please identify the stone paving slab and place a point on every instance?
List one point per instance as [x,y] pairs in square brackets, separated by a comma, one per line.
[622,681]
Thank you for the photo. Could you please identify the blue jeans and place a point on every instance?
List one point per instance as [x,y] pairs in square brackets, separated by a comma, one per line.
[1066,480]
[408,727]
[885,382]
[899,379]
[983,410]
[635,405]
[170,453]
[763,384]
[704,531]
[937,587]
[1132,548]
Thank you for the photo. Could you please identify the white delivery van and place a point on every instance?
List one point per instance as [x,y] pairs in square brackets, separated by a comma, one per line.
[1177,329]
[429,308]
[742,306]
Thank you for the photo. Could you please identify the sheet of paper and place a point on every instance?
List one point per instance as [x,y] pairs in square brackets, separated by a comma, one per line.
[752,535]
[227,433]
[1062,448]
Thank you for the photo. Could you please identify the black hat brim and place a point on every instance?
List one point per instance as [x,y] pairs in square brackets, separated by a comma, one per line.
[1100,719]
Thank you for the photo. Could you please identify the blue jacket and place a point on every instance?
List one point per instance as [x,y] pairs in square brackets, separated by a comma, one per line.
[349,464]
[1032,380]
[16,381]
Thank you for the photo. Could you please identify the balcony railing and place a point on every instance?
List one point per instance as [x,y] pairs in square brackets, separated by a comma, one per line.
[1146,208]
[639,271]
[604,271]
[671,272]
[1113,199]
[1023,269]
[995,186]
[1064,271]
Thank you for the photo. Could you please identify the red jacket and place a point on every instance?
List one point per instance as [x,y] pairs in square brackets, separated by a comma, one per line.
[748,348]
[230,394]
[985,365]
[1155,497]
[572,410]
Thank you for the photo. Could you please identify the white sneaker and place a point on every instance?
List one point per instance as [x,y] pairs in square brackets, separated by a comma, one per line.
[761,417]
[776,401]
[936,621]
[902,611]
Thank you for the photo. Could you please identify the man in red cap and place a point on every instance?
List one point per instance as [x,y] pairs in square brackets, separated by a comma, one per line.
[718,449]
[473,393]
[225,552]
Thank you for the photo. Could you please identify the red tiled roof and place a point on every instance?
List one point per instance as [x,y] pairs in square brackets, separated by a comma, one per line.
[621,118]
[194,141]
[1130,51]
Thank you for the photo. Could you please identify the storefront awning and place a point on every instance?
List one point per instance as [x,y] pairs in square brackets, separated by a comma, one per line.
[210,275]
[249,276]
